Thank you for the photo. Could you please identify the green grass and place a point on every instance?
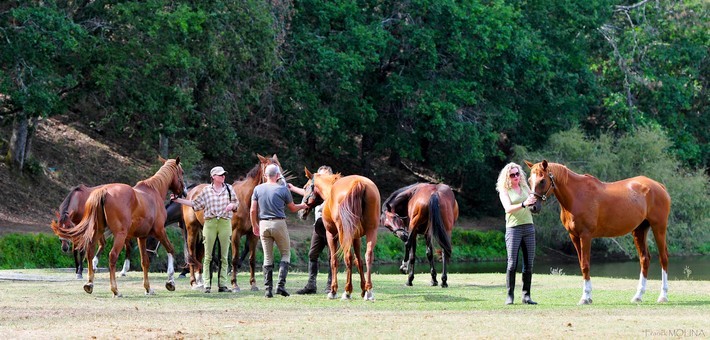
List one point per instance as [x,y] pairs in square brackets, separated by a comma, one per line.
[471,307]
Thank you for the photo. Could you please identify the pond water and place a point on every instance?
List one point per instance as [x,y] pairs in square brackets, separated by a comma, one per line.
[679,268]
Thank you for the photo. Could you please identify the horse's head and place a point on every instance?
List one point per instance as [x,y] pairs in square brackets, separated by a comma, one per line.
[542,183]
[57,224]
[177,185]
[394,222]
[311,195]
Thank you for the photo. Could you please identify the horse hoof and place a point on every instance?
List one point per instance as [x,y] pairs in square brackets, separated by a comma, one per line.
[170,285]
[149,292]
[409,283]
[331,296]
[585,301]
[89,288]
[444,285]
[181,276]
[79,276]
[236,289]
[662,299]
[254,288]
[434,283]
[369,296]
[123,274]
[117,295]
[636,300]
[345,297]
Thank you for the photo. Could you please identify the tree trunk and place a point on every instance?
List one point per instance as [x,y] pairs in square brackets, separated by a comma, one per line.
[163,145]
[18,142]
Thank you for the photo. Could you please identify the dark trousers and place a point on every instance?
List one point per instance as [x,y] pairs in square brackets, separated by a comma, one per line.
[517,238]
[318,241]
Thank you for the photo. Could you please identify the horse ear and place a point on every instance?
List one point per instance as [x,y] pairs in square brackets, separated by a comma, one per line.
[161,159]
[275,158]
[530,165]
[309,175]
[261,158]
[177,160]
[544,164]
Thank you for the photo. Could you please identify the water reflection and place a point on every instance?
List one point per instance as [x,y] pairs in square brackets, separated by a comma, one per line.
[679,268]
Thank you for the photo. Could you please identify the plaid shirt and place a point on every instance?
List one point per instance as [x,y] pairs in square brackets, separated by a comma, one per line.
[214,202]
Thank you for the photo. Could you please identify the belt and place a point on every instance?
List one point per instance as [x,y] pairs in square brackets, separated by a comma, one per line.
[217,218]
[273,219]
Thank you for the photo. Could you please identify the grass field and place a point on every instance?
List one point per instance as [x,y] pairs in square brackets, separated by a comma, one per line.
[52,304]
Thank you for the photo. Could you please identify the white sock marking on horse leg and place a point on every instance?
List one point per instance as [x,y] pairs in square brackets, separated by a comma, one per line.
[587,291]
[664,287]
[95,262]
[171,268]
[126,267]
[640,289]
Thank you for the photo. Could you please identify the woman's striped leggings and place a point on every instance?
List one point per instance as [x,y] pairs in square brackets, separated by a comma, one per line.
[522,236]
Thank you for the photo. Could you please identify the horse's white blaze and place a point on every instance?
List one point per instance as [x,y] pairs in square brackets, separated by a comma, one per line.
[95,262]
[640,289]
[664,287]
[126,267]
[171,268]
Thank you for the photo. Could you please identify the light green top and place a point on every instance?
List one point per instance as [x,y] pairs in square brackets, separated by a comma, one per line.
[520,216]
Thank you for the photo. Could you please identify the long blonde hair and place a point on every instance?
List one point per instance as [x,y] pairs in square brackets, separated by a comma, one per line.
[503,182]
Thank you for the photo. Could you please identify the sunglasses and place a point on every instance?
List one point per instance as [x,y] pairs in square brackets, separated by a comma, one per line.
[517,174]
[222,175]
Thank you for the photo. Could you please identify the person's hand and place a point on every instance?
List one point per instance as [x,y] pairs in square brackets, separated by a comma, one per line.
[172,197]
[255,230]
[232,206]
[530,200]
[290,186]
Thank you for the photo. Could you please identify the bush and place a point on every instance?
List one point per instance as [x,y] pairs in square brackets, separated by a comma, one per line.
[33,251]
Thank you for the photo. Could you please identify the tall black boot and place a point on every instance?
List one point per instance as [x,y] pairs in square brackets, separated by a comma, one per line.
[310,287]
[510,285]
[527,280]
[283,272]
[268,280]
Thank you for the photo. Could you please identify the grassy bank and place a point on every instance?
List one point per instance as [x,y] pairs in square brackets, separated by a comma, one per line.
[43,250]
[472,307]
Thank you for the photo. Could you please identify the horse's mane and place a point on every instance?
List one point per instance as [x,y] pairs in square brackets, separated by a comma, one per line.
[64,207]
[397,196]
[161,180]
[254,172]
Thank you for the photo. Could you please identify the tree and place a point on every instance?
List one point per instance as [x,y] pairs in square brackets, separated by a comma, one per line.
[39,44]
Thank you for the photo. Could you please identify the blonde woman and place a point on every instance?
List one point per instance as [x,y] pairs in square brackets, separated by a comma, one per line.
[514,194]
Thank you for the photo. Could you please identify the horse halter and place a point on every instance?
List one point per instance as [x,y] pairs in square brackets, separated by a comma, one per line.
[312,188]
[401,218]
[552,186]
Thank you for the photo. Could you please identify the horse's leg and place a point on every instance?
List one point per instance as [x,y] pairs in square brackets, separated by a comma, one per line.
[403,268]
[95,259]
[127,260]
[119,242]
[236,237]
[78,263]
[333,265]
[89,285]
[430,257]
[348,258]
[412,256]
[371,239]
[145,264]
[444,265]
[357,245]
[640,234]
[163,238]
[252,241]
[192,248]
[659,234]
[585,245]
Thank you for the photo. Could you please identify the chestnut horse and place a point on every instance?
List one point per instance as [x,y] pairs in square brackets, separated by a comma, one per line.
[129,212]
[432,211]
[241,226]
[350,211]
[72,210]
[592,208]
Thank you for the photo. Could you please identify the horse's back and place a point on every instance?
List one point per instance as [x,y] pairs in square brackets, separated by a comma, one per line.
[342,188]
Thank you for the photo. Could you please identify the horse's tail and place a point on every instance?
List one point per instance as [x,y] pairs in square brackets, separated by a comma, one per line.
[350,211]
[437,228]
[94,220]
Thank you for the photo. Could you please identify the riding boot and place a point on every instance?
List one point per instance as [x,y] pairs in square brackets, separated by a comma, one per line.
[310,287]
[283,271]
[527,280]
[510,285]
[329,282]
[268,280]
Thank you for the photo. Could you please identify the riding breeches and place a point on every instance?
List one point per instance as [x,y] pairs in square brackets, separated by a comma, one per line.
[521,237]
[274,231]
[217,229]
